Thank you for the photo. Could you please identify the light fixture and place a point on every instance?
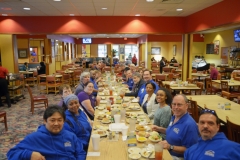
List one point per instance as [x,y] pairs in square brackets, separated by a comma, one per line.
[149,0]
[125,38]
[71,14]
[104,8]
[57,0]
[107,37]
[26,9]
[4,14]
[179,9]
[137,14]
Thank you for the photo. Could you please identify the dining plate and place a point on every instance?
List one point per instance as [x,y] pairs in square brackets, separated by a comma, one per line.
[146,152]
[102,133]
[141,139]
[144,128]
[154,140]
[134,156]
[135,100]
[101,107]
[103,101]
[134,150]
[105,121]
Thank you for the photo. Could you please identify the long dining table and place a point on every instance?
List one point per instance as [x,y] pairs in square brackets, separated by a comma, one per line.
[211,102]
[115,150]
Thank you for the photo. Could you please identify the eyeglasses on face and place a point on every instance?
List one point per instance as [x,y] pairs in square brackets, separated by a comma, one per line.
[178,104]
[209,111]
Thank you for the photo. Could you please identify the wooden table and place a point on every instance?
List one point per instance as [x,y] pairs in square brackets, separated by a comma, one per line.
[176,87]
[26,72]
[211,102]
[231,83]
[199,75]
[115,150]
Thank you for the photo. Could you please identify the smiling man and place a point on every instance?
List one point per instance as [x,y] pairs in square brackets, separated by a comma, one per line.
[50,141]
[212,144]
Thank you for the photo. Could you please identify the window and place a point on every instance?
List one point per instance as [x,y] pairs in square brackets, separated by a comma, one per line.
[116,47]
[102,50]
[133,49]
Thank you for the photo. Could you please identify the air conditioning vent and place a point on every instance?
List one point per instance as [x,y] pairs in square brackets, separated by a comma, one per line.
[172,1]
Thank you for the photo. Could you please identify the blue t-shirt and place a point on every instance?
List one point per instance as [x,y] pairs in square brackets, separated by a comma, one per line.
[94,85]
[219,147]
[82,96]
[183,133]
[130,83]
[142,91]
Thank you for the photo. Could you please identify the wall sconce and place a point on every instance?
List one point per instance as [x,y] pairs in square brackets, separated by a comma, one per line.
[202,35]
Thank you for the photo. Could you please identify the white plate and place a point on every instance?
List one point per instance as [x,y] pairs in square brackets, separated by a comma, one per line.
[139,139]
[101,107]
[102,133]
[103,101]
[106,122]
[134,156]
[101,94]
[147,128]
[100,127]
[135,100]
[134,150]
[153,140]
[145,154]
[116,127]
[134,108]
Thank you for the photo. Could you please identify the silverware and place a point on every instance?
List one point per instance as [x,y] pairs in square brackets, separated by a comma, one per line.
[151,152]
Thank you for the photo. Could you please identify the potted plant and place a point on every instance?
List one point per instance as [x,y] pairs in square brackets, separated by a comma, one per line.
[114,51]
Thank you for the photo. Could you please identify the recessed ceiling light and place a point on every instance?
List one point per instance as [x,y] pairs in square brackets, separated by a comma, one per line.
[4,14]
[137,15]
[179,9]
[149,0]
[71,14]
[57,0]
[104,8]
[26,8]
[107,37]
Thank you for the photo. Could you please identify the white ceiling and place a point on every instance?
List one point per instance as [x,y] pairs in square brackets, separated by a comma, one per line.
[94,7]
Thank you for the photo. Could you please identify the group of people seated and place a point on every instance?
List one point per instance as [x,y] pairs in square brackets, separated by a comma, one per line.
[67,127]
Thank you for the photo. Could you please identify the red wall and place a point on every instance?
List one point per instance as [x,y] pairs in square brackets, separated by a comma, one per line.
[223,13]
[98,24]
[197,38]
[164,38]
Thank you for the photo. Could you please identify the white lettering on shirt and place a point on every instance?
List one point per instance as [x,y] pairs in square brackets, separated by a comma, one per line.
[176,130]
[67,144]
[210,153]
[142,90]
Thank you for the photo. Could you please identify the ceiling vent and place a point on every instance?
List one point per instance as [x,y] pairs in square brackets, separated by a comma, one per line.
[172,1]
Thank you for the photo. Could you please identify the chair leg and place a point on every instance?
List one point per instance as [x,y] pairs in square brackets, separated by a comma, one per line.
[5,122]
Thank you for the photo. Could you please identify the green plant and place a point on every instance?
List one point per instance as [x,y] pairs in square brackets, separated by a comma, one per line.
[114,51]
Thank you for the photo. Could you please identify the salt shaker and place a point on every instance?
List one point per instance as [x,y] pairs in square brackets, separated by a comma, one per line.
[219,106]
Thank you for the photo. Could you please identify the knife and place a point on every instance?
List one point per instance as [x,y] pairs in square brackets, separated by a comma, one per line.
[150,154]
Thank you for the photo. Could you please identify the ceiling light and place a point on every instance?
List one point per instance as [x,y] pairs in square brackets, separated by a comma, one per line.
[107,37]
[104,8]
[149,0]
[179,9]
[137,14]
[4,14]
[57,0]
[26,8]
[71,14]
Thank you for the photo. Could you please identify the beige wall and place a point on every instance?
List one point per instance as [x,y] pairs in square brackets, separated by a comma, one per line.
[7,52]
[23,44]
[94,50]
[226,40]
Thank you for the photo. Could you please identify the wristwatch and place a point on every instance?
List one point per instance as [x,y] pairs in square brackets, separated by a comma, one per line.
[171,147]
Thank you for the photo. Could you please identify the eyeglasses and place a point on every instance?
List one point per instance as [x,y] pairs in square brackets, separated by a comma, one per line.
[209,111]
[177,104]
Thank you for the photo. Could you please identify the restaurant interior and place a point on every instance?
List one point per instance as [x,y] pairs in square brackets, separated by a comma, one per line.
[196,38]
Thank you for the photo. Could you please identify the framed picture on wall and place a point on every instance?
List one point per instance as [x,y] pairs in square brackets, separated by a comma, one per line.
[22,53]
[156,50]
[216,46]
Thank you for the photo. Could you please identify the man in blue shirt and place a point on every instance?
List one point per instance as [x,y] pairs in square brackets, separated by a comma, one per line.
[147,77]
[182,131]
[212,144]
[129,81]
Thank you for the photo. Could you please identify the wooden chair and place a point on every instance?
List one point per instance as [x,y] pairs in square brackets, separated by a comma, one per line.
[225,87]
[209,88]
[226,94]
[160,77]
[41,81]
[3,115]
[36,100]
[160,84]
[166,69]
[32,80]
[188,92]
[233,131]
[170,76]
[193,110]
[66,79]
[52,84]
[76,77]
[200,85]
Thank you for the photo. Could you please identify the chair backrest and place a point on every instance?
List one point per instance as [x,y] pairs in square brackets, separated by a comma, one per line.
[233,131]
[219,76]
[193,110]
[189,80]
[166,69]
[200,85]
[160,77]
[170,76]
[175,64]
[226,94]
[29,91]
[224,86]
[194,71]
[160,84]
[35,73]
[50,79]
